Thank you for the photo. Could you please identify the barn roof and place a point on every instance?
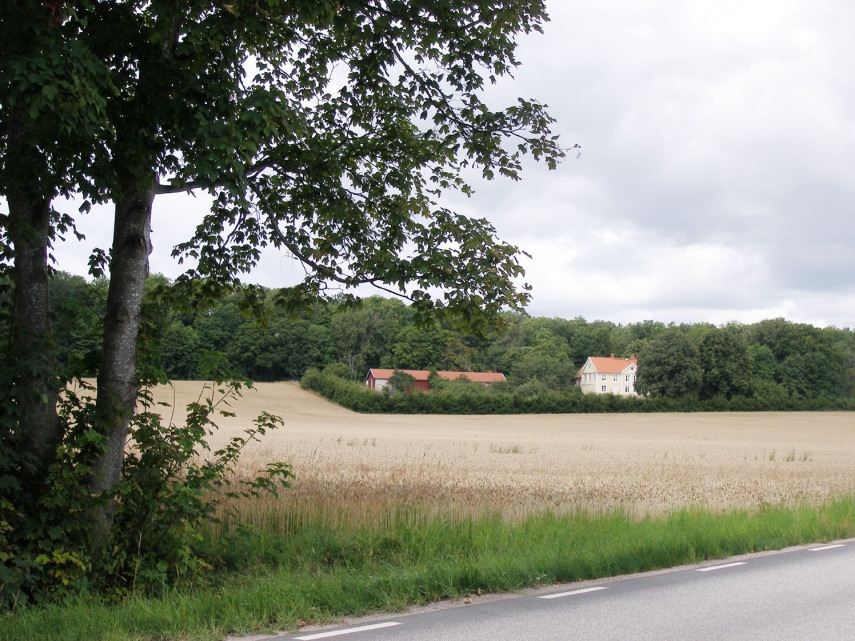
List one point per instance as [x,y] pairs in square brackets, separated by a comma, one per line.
[478,377]
[423,374]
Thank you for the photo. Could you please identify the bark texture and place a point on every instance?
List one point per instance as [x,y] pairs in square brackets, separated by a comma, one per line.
[31,346]
[134,186]
[118,383]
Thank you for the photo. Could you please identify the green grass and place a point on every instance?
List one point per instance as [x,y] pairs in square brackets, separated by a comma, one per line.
[271,580]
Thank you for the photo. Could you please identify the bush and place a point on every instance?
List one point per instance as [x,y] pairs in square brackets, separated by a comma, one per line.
[339,370]
[171,485]
[400,382]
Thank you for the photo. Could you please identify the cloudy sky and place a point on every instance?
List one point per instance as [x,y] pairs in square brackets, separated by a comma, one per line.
[717,175]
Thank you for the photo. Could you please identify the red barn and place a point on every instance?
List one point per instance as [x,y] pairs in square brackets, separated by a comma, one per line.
[377,377]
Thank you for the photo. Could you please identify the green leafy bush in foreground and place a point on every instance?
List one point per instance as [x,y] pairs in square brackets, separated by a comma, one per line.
[171,487]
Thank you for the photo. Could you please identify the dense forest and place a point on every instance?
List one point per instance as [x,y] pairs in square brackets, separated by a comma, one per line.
[772,358]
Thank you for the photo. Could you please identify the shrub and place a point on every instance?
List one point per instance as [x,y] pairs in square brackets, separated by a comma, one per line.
[171,484]
[339,370]
[400,382]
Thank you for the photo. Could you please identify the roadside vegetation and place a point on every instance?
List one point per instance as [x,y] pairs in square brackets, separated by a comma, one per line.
[272,576]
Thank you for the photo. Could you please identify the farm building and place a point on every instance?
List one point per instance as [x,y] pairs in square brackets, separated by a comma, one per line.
[377,378]
[608,375]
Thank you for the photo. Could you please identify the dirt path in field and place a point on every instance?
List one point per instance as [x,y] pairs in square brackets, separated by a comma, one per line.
[645,462]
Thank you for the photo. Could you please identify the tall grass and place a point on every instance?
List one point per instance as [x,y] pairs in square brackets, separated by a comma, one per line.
[282,573]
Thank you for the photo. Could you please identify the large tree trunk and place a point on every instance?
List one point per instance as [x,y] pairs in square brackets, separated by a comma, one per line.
[135,164]
[118,383]
[31,346]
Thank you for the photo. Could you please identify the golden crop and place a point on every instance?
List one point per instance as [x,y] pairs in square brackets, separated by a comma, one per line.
[359,468]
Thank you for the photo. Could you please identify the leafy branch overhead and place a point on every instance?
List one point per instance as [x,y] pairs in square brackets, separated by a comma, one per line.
[338,139]
[326,129]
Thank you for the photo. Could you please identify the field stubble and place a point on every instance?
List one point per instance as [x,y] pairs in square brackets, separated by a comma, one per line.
[359,469]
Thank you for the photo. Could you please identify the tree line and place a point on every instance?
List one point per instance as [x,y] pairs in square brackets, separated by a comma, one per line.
[773,358]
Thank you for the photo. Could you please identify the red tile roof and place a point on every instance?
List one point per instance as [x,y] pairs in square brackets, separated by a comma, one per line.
[610,364]
[478,377]
[423,374]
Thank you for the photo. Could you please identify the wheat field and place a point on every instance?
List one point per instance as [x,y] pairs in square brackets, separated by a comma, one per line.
[353,467]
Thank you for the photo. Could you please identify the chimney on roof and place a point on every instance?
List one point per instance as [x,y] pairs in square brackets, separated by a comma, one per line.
[632,357]
[613,355]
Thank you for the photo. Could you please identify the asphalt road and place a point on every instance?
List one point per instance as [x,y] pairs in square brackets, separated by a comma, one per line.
[795,594]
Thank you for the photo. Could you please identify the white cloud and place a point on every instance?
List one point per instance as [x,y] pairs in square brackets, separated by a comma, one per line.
[616,276]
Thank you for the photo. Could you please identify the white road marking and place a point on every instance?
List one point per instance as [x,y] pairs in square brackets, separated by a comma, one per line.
[828,547]
[337,633]
[721,567]
[558,595]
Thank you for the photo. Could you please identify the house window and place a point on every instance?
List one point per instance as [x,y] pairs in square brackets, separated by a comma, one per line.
[626,378]
[603,389]
[615,377]
[604,378]
[626,389]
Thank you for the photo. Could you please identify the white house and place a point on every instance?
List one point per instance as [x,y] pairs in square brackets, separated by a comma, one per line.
[608,375]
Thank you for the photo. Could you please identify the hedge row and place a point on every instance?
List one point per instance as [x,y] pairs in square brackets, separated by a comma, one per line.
[359,398]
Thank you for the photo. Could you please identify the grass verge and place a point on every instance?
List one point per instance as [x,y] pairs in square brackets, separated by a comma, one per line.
[272,579]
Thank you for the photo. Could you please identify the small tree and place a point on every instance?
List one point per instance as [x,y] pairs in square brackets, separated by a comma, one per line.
[547,362]
[812,374]
[763,365]
[669,367]
[339,370]
[421,347]
[725,365]
[400,382]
